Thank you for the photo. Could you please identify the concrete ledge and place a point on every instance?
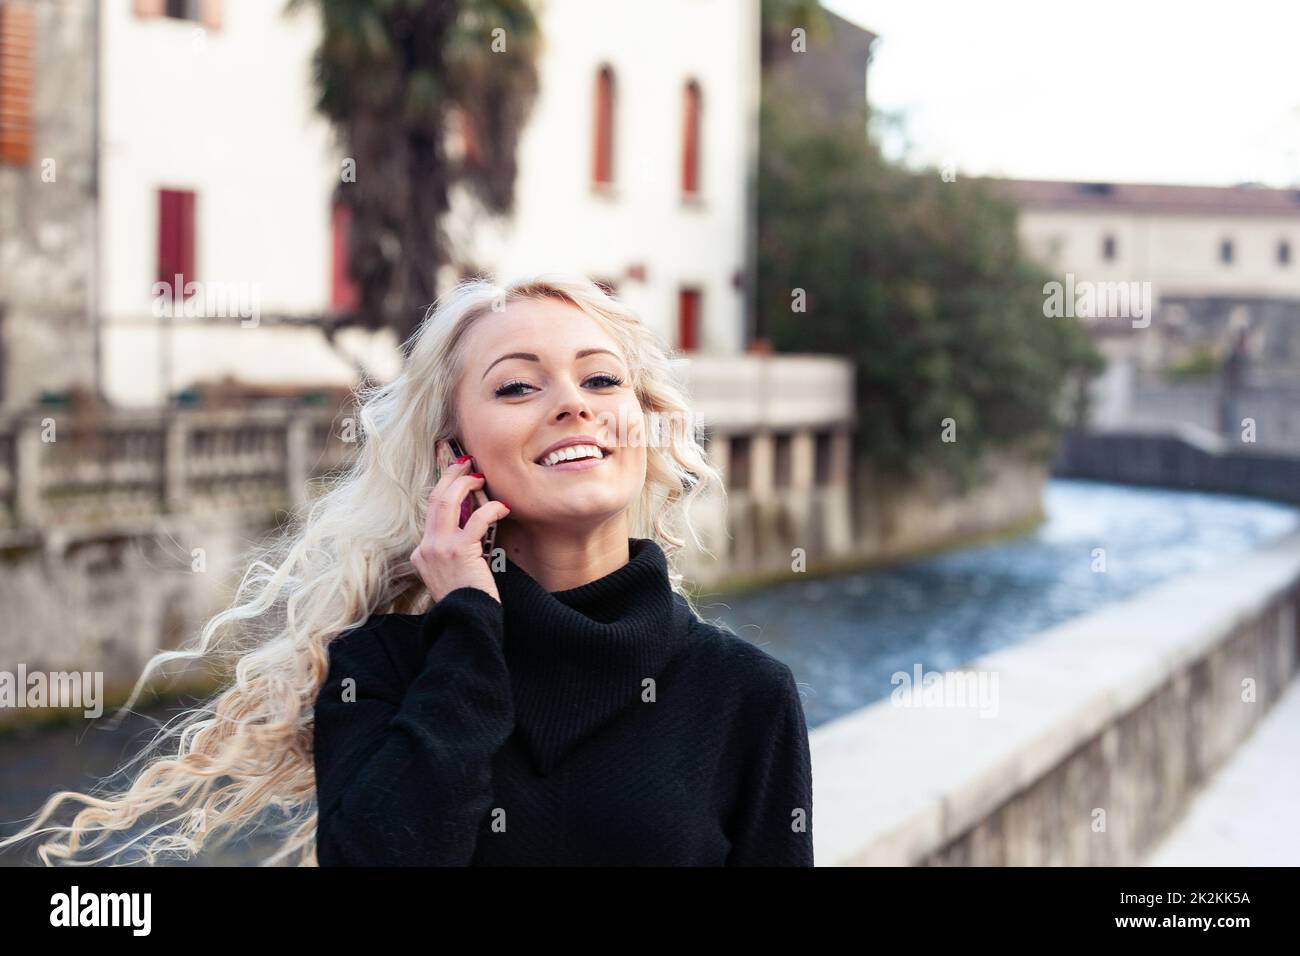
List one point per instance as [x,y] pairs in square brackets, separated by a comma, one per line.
[1123,711]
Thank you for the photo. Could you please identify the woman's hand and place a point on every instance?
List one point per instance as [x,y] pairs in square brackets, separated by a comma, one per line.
[449,556]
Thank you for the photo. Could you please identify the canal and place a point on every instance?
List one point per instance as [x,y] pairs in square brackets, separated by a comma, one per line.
[844,636]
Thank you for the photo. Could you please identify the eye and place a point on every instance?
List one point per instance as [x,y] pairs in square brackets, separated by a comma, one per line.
[513,388]
[510,389]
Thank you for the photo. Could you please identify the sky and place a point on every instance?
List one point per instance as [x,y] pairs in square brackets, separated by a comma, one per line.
[1152,91]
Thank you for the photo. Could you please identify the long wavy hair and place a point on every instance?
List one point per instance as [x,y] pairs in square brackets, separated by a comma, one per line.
[246,753]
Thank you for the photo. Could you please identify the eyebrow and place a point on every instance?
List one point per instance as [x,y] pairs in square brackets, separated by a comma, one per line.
[581,353]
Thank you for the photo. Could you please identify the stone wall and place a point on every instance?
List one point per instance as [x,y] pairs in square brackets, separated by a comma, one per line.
[47,216]
[1179,456]
[108,602]
[859,516]
[1101,730]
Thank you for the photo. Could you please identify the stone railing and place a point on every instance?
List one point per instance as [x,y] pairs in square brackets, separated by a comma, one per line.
[59,471]
[1093,738]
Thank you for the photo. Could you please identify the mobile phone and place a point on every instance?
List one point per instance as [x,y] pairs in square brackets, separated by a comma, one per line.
[474,500]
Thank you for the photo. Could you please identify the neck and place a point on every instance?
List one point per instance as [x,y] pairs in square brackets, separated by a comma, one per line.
[560,560]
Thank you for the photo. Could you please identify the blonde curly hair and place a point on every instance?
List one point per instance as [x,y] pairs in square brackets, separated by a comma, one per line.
[341,558]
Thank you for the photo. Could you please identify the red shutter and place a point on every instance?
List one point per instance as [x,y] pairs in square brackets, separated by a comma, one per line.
[691,140]
[344,294]
[17,32]
[688,319]
[603,161]
[176,239]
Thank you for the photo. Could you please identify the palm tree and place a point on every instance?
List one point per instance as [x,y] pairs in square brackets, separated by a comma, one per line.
[393,76]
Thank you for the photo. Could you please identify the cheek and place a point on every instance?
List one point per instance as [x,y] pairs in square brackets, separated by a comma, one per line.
[504,446]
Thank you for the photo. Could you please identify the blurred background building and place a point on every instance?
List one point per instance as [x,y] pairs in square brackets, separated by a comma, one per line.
[1219,262]
[1220,259]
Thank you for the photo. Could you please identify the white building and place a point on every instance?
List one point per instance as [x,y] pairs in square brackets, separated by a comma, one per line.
[196,151]
[1217,261]
[213,164]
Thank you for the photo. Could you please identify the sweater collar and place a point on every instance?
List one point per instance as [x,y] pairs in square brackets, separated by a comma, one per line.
[577,658]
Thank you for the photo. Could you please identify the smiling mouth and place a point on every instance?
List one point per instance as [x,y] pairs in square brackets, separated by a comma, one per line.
[551,460]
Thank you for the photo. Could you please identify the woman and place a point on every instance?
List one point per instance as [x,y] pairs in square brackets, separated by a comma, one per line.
[407,700]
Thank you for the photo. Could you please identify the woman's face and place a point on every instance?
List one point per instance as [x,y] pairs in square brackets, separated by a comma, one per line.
[514,407]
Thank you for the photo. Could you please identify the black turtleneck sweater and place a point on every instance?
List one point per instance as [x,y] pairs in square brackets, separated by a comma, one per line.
[602,725]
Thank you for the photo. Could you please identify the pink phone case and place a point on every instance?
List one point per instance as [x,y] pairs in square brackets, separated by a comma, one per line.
[474,500]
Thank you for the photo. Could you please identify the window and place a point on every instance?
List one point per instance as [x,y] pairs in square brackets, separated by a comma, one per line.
[1225,252]
[602,172]
[345,295]
[822,450]
[738,463]
[17,28]
[782,454]
[688,319]
[691,140]
[176,239]
[1283,252]
[1108,248]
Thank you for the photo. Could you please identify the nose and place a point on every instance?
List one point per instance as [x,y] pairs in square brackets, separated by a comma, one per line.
[572,404]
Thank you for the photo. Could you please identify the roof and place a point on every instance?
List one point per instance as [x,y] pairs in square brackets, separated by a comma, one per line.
[1150,197]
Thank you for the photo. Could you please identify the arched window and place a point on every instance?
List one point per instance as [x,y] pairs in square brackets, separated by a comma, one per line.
[602,170]
[691,139]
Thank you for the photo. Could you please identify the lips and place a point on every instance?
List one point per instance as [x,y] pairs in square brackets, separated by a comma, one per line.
[574,440]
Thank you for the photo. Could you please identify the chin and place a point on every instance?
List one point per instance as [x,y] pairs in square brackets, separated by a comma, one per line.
[587,511]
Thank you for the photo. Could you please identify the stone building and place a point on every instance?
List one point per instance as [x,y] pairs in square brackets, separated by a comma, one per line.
[1219,262]
[186,144]
[49,192]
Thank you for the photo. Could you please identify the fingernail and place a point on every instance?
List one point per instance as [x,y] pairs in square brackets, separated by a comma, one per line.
[462,459]
[507,507]
[475,474]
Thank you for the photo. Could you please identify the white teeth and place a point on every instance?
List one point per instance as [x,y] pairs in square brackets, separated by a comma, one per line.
[572,452]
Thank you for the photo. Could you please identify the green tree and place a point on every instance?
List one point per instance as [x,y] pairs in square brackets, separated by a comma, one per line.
[922,282]
[390,75]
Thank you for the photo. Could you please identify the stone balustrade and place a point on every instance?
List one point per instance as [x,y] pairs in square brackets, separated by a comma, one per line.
[79,474]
